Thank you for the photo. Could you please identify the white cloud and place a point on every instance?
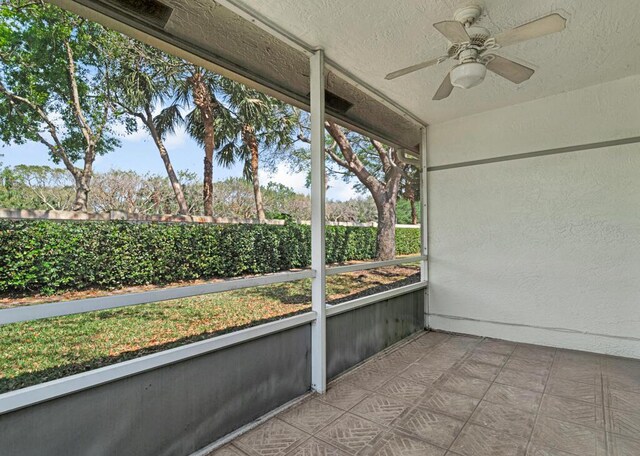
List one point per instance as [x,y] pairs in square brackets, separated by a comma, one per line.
[176,139]
[340,191]
[284,176]
[139,135]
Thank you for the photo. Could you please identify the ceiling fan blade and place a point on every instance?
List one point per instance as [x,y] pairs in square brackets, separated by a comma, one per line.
[416,67]
[540,27]
[454,31]
[509,69]
[445,89]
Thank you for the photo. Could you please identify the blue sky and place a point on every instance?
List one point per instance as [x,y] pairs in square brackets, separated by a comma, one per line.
[140,154]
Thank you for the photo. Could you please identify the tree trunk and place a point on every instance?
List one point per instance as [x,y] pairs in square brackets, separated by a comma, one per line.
[82,194]
[414,213]
[251,142]
[204,102]
[387,230]
[183,208]
[83,179]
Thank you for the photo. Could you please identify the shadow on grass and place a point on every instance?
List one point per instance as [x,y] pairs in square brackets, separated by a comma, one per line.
[45,375]
[414,278]
[286,296]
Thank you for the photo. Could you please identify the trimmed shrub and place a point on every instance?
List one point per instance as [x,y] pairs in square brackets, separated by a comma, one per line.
[50,256]
[408,241]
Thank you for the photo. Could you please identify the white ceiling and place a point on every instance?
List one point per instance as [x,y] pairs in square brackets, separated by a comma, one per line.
[371,38]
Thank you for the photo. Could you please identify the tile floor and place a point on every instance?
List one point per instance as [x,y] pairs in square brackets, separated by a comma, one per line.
[441,394]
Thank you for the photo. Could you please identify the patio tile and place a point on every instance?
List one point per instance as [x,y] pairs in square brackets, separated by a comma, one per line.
[577,375]
[350,433]
[534,352]
[465,342]
[478,370]
[569,437]
[586,366]
[502,347]
[504,418]
[380,409]
[477,440]
[439,362]
[495,359]
[574,356]
[431,339]
[622,382]
[587,392]
[367,378]
[535,450]
[343,395]
[408,354]
[452,404]
[310,416]
[623,422]
[458,383]
[396,443]
[450,350]
[433,427]
[227,450]
[388,365]
[516,397]
[623,400]
[272,438]
[403,389]
[573,411]
[522,379]
[625,364]
[530,366]
[421,373]
[315,447]
[622,446]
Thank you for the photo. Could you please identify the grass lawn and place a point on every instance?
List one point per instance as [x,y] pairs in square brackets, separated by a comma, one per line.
[38,351]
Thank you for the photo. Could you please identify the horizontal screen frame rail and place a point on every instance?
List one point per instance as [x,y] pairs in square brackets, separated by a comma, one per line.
[334,270]
[59,309]
[32,395]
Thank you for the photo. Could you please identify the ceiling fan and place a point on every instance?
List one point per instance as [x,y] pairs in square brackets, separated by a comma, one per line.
[472,46]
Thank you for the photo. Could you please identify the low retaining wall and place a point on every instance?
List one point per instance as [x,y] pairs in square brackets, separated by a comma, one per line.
[177,409]
[41,214]
[359,334]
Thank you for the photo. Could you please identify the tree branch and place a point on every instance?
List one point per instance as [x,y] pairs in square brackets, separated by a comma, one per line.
[75,97]
[56,149]
[353,162]
[382,153]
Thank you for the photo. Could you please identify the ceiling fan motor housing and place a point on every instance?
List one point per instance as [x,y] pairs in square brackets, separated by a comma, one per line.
[477,37]
[467,75]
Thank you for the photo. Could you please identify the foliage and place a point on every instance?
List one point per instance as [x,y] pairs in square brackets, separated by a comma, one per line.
[37,351]
[272,124]
[43,187]
[54,86]
[407,241]
[403,212]
[47,256]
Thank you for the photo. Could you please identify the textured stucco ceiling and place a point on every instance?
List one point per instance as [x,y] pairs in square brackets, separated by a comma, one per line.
[371,38]
[213,36]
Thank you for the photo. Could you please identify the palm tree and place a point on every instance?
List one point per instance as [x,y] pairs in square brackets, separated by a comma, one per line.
[250,122]
[197,87]
[145,79]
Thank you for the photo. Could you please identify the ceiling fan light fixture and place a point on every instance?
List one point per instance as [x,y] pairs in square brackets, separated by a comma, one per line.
[467,75]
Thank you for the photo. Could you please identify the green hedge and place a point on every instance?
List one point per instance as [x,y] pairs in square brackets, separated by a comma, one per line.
[48,256]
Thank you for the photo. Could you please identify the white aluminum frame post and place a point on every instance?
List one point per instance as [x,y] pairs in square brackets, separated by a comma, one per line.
[318,254]
[424,218]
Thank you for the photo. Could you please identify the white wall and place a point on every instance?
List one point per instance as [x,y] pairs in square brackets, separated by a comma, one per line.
[543,250]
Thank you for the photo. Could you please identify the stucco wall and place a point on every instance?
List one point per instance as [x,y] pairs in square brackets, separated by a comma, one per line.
[543,250]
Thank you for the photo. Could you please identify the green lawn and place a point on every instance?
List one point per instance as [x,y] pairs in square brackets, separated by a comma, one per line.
[38,351]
